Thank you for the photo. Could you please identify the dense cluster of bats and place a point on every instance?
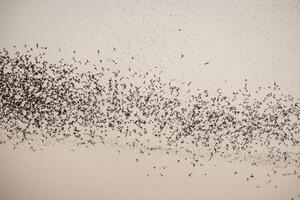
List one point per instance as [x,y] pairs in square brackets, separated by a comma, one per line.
[42,103]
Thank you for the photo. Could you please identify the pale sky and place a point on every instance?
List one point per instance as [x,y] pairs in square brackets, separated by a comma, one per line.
[258,40]
[254,39]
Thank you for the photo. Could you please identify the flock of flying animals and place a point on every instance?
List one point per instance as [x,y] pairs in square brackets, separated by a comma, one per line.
[44,103]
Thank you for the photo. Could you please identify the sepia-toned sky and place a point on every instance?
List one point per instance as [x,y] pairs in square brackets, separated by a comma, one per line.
[258,40]
[253,39]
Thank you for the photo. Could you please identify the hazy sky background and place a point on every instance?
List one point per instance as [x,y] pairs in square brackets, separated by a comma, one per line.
[258,40]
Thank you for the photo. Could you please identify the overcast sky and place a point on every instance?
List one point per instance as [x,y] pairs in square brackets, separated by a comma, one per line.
[254,39]
[258,40]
